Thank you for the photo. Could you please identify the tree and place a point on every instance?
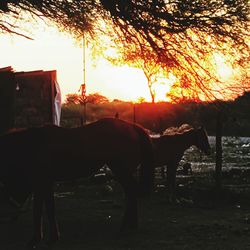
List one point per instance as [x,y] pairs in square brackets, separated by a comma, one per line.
[94,98]
[181,34]
[97,98]
[140,58]
[195,71]
[71,16]
[72,99]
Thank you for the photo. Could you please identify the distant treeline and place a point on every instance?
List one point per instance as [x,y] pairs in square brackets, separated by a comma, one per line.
[159,116]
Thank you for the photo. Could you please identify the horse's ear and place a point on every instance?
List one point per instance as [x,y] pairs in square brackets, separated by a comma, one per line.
[200,127]
[197,126]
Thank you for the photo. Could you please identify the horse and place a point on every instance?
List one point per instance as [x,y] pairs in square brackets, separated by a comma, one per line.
[33,159]
[169,149]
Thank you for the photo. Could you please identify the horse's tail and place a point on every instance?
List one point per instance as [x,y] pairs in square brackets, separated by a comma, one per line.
[146,171]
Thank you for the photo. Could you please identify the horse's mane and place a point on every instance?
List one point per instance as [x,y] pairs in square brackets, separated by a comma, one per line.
[178,130]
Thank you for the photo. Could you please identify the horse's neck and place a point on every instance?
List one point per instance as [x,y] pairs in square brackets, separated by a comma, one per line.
[187,139]
[166,148]
[160,151]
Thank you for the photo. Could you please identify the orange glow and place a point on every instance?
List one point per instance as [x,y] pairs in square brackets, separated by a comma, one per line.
[52,50]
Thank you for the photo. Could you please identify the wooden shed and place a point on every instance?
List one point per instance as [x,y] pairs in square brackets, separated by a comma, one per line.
[28,99]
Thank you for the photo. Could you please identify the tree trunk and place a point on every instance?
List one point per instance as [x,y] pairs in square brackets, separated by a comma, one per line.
[152,93]
[218,167]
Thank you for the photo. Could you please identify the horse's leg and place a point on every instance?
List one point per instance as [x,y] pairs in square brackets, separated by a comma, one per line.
[38,200]
[171,181]
[130,218]
[50,209]
[163,172]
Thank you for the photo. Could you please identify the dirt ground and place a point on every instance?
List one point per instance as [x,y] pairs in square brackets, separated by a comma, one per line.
[89,217]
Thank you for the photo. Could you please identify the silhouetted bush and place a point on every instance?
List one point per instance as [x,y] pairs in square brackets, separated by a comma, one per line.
[159,116]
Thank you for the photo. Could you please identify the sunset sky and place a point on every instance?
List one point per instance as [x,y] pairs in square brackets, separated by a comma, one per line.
[52,50]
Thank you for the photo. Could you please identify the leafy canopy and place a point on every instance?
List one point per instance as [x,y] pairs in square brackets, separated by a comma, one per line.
[179,34]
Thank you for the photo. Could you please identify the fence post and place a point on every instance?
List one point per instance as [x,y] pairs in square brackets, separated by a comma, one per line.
[218,166]
[134,112]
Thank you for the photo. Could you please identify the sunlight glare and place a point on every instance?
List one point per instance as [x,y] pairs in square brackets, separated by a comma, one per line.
[224,71]
[163,86]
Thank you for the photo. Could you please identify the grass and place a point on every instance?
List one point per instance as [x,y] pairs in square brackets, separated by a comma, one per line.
[89,217]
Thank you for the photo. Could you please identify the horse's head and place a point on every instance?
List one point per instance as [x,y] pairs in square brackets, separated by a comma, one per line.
[202,141]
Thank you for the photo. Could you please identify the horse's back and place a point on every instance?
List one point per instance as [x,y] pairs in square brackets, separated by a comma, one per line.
[61,153]
[107,141]
[107,131]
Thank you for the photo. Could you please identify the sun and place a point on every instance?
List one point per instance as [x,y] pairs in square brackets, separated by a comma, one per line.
[223,69]
[163,86]
[123,83]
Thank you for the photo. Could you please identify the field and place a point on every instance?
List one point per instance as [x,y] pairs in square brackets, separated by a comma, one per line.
[89,214]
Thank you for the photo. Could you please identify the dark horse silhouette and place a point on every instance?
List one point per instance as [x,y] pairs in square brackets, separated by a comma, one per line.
[169,149]
[32,160]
